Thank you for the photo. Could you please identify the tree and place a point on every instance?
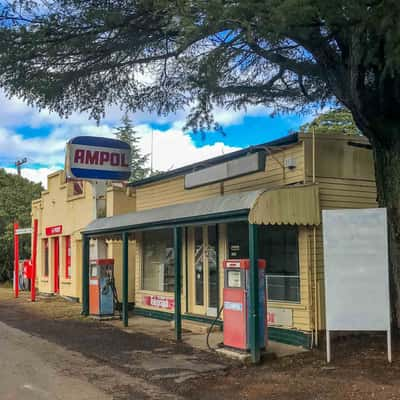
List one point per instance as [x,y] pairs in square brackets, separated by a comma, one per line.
[162,55]
[338,121]
[16,195]
[127,134]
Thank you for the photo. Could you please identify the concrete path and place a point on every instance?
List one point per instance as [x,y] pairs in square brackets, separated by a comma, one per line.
[35,369]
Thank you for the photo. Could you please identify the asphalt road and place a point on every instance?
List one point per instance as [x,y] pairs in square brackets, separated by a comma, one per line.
[35,369]
[31,368]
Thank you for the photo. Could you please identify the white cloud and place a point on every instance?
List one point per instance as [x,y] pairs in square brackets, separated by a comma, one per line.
[47,150]
[171,148]
[232,117]
[35,175]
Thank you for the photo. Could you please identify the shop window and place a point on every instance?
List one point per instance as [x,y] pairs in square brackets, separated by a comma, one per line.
[238,240]
[279,246]
[158,261]
[68,257]
[46,257]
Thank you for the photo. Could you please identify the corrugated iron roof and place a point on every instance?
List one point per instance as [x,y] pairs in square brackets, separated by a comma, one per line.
[212,208]
[297,205]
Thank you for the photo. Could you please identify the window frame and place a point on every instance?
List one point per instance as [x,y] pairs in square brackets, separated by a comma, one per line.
[46,254]
[242,250]
[143,258]
[296,276]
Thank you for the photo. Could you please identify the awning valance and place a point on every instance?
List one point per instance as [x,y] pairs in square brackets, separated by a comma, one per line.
[286,205]
[291,205]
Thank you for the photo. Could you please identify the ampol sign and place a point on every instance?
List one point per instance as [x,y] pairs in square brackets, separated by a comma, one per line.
[97,158]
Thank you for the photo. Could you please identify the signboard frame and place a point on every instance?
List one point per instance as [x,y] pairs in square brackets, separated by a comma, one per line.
[356,249]
[97,158]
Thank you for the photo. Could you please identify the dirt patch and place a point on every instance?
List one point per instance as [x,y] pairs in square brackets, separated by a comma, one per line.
[359,369]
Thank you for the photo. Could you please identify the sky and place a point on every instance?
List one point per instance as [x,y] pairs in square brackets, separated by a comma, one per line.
[40,136]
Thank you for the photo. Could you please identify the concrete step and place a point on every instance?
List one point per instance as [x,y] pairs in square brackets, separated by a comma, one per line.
[196,327]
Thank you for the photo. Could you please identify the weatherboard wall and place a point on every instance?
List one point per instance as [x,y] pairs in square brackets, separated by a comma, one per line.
[346,178]
[172,191]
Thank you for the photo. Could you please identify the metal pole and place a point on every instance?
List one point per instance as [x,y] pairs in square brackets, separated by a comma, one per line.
[328,346]
[16,260]
[34,259]
[254,306]
[125,255]
[178,283]
[389,343]
[85,275]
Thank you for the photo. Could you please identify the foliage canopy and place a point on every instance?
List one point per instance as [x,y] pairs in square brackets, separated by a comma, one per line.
[126,132]
[162,55]
[338,121]
[16,195]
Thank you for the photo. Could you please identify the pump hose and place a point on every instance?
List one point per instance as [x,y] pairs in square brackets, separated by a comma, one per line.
[118,306]
[211,327]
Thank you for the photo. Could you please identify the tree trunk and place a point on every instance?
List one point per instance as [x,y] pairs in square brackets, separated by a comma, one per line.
[387,171]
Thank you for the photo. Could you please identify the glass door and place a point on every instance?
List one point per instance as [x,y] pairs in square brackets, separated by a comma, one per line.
[203,271]
[212,270]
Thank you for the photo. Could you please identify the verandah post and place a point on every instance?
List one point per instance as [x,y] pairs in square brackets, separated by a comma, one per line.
[254,306]
[16,260]
[178,283]
[85,275]
[125,254]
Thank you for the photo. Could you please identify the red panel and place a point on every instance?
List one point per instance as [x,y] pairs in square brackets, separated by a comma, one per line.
[16,261]
[56,265]
[34,256]
[243,263]
[235,318]
[67,256]
[103,261]
[54,230]
[94,296]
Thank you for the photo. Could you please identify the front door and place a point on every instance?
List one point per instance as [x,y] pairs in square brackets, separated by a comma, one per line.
[203,270]
[56,252]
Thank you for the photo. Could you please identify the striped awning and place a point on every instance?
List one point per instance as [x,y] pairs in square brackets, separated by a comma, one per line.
[290,205]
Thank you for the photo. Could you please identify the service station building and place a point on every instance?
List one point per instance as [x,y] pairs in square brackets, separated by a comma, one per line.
[169,234]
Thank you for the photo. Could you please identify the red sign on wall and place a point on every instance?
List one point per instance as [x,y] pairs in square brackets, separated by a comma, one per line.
[54,230]
[159,302]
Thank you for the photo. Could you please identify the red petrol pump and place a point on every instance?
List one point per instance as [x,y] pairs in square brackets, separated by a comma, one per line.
[236,304]
[29,266]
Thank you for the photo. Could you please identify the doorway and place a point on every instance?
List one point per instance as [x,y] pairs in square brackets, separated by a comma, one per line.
[203,270]
[56,252]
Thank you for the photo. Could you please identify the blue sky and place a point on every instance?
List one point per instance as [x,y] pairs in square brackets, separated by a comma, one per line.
[40,136]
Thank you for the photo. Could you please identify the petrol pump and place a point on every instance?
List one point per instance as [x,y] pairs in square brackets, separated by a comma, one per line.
[101,282]
[236,303]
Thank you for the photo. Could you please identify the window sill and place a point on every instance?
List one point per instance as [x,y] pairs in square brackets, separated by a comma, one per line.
[66,281]
[282,304]
[44,280]
[76,197]
[155,293]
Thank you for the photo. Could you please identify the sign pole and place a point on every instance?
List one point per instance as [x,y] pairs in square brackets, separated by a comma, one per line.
[16,260]
[389,344]
[34,258]
[328,346]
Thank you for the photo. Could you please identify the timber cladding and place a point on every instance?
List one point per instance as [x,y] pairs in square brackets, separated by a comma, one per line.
[345,178]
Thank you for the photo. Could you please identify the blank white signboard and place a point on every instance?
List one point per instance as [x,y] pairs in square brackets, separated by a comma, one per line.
[356,269]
